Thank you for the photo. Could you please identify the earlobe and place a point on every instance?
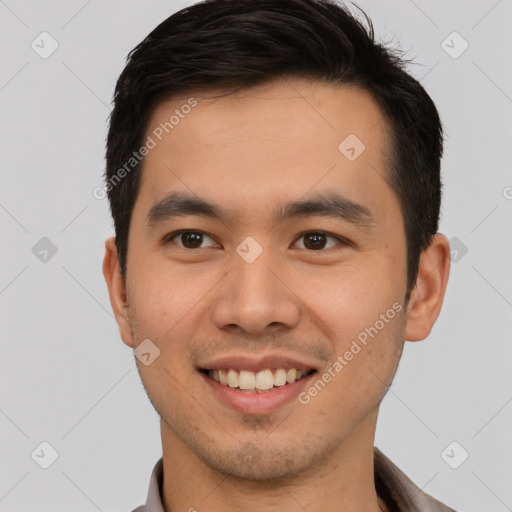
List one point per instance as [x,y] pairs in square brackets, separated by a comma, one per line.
[117,290]
[428,293]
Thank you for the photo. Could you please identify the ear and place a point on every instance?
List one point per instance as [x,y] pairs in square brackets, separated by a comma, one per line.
[428,293]
[117,291]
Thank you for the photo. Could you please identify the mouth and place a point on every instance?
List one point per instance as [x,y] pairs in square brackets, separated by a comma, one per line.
[263,381]
[256,384]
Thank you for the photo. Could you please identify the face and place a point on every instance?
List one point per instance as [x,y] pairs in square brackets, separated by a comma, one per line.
[255,287]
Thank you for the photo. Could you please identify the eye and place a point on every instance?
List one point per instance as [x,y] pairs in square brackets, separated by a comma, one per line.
[188,239]
[316,240]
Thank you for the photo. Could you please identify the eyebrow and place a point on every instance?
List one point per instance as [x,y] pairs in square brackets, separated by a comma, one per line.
[329,204]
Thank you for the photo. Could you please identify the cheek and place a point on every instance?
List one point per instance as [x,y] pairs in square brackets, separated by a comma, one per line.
[356,296]
[363,317]
[163,294]
[366,352]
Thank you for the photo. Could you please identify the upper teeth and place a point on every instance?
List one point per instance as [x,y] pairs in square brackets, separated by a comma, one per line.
[263,379]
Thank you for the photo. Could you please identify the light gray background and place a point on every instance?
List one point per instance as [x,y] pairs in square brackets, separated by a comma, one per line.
[67,378]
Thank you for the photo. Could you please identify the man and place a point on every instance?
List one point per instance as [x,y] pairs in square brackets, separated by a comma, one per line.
[274,179]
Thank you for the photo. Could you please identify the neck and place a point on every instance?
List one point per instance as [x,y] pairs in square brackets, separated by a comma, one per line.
[343,482]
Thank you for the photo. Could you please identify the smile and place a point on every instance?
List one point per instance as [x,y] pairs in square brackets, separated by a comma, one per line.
[257,382]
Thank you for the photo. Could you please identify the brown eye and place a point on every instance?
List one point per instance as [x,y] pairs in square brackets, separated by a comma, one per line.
[317,240]
[188,239]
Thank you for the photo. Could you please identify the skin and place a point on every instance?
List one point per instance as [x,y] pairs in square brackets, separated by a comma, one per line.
[248,151]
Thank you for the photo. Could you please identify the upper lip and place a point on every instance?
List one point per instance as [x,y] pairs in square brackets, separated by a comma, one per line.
[255,363]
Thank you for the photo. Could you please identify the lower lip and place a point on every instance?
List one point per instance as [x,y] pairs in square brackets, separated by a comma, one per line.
[257,403]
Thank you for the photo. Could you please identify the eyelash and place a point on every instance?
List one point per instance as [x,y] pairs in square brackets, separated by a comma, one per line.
[342,242]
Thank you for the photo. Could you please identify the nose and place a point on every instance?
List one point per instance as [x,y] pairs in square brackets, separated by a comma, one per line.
[256,297]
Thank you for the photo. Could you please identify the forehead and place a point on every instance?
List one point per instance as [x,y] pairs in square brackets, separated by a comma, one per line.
[282,138]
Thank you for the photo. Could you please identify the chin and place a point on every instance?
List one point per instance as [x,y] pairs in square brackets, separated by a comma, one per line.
[260,462]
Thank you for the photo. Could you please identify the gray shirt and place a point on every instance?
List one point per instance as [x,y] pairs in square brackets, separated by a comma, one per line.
[392,485]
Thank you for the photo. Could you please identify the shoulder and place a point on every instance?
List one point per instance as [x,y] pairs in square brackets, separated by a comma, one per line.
[407,496]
